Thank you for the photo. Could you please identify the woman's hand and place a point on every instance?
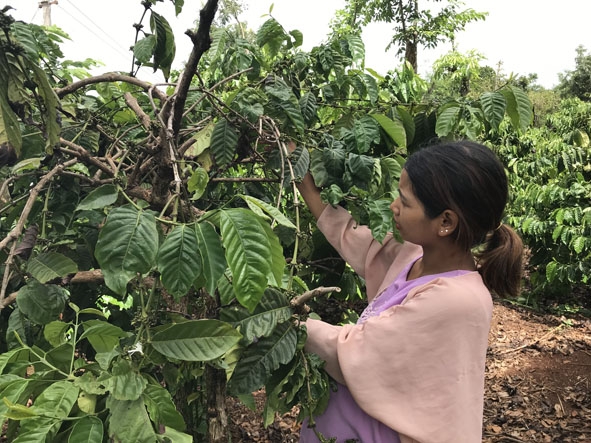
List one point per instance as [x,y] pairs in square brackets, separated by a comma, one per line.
[308,189]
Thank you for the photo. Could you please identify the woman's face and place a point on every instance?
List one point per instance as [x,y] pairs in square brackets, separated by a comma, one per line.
[409,215]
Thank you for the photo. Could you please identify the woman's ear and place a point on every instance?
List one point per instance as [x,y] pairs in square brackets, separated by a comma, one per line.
[448,222]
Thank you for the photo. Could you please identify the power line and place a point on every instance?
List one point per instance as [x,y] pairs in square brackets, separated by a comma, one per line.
[116,48]
[93,23]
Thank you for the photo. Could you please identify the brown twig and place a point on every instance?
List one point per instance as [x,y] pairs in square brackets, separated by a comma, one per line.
[84,156]
[106,78]
[135,107]
[308,295]
[549,333]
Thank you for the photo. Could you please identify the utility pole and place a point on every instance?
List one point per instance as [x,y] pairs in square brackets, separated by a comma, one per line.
[46,6]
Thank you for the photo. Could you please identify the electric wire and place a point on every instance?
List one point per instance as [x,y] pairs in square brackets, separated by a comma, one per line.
[115,48]
[94,24]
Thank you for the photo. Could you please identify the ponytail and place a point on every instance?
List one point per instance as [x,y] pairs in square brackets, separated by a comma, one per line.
[500,261]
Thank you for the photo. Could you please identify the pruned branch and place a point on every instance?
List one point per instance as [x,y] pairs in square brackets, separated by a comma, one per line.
[302,299]
[201,43]
[110,77]
[85,157]
[135,107]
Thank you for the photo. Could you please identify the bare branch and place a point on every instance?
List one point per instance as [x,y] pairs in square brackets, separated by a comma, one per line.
[85,157]
[135,107]
[107,78]
[201,43]
[302,299]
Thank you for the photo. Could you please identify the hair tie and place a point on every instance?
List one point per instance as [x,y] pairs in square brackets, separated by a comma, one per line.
[498,227]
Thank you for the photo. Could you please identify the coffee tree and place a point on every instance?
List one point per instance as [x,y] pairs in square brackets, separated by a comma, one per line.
[156,257]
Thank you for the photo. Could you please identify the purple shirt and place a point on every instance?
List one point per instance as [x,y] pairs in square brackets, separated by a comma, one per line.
[343,419]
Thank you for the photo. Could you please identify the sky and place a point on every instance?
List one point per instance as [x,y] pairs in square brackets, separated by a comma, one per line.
[519,36]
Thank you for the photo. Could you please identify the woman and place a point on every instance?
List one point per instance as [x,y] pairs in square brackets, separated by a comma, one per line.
[412,368]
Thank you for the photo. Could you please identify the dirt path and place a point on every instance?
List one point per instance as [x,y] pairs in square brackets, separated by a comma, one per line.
[538,384]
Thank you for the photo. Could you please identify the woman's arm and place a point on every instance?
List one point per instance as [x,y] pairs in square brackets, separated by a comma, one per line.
[311,195]
[308,189]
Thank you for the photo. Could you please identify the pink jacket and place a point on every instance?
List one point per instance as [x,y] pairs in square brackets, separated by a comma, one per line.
[418,367]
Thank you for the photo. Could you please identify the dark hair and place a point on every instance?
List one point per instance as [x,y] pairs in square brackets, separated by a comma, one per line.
[469,179]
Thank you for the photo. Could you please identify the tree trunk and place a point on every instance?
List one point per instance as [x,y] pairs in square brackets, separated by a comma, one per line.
[410,55]
[217,415]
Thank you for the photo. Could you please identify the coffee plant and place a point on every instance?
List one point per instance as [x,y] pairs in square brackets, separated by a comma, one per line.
[156,257]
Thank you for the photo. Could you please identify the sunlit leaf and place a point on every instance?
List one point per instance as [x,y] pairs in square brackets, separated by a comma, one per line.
[247,253]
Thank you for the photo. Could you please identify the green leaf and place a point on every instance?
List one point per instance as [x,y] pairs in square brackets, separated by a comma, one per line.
[271,36]
[276,257]
[394,129]
[360,167]
[578,244]
[58,399]
[260,359]
[519,107]
[447,119]
[102,336]
[196,340]
[144,48]
[41,303]
[551,271]
[380,218]
[356,48]
[165,48]
[129,421]
[493,107]
[13,356]
[260,207]
[50,265]
[125,383]
[88,429]
[372,87]
[273,309]
[212,255]
[162,409]
[177,437]
[179,260]
[247,253]
[363,135]
[308,107]
[282,100]
[127,245]
[198,183]
[18,325]
[37,430]
[98,198]
[14,411]
[55,332]
[224,141]
[51,104]
[9,125]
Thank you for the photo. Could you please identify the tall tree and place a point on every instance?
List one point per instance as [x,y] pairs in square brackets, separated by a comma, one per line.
[577,83]
[413,25]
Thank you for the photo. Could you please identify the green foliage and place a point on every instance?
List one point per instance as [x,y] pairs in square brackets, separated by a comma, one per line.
[550,172]
[577,83]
